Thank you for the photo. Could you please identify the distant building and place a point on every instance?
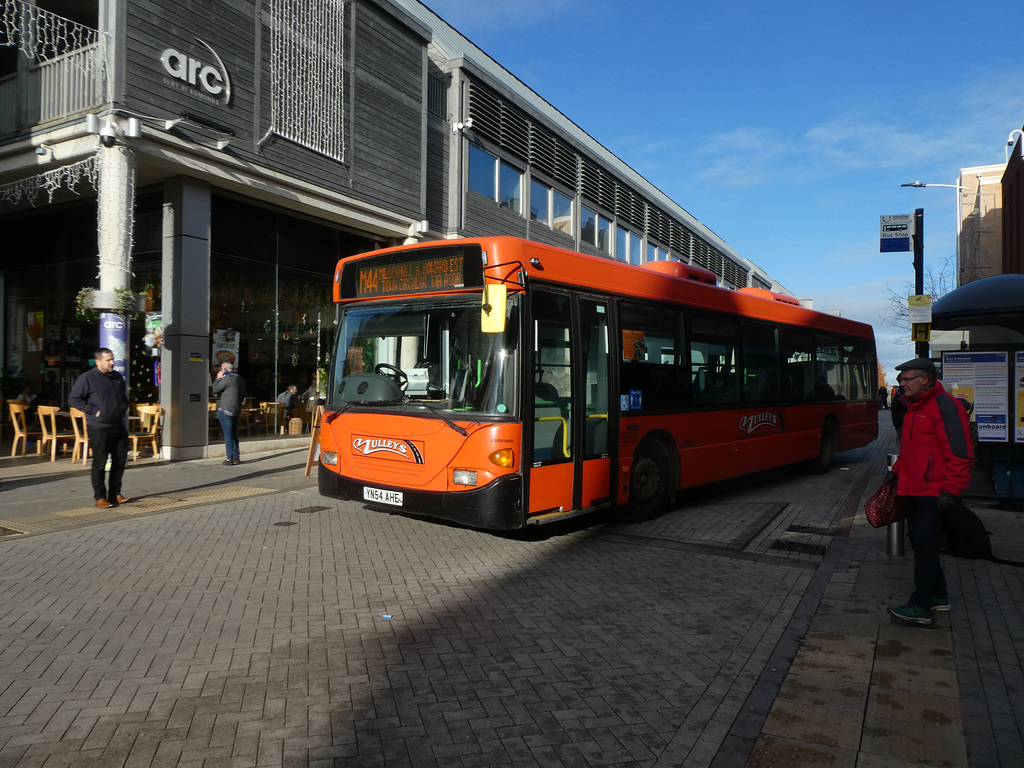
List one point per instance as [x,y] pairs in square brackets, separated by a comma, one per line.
[1013,206]
[220,156]
[980,223]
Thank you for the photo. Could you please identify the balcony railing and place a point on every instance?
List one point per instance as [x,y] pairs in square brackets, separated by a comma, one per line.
[8,104]
[61,72]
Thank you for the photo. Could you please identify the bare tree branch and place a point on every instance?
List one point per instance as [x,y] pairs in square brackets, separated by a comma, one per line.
[935,285]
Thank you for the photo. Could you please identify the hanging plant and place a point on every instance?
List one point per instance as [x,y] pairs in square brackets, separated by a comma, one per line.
[84,304]
[126,302]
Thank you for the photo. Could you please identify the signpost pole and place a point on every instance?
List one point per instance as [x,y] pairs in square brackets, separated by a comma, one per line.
[920,347]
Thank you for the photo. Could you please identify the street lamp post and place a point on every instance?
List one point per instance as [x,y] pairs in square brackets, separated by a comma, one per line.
[920,347]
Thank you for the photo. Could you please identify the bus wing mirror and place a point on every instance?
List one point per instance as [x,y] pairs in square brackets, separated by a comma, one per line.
[492,314]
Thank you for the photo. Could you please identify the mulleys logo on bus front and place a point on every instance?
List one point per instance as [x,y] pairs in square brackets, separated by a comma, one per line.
[754,421]
[401,449]
[367,446]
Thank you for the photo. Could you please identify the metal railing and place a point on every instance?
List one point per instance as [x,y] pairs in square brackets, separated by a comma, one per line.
[62,67]
[67,84]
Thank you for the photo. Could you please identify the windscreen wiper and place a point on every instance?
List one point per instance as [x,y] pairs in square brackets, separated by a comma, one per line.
[391,403]
[441,416]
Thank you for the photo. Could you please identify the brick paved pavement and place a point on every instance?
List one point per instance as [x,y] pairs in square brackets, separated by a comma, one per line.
[274,627]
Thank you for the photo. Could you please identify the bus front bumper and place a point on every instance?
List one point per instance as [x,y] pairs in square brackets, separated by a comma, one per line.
[497,506]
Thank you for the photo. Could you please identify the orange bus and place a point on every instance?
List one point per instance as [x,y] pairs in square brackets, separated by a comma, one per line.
[501,383]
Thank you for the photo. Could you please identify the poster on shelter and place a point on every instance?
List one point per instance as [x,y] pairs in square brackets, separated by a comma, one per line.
[981,379]
[1018,399]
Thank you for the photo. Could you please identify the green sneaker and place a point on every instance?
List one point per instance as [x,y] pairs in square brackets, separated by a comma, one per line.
[939,604]
[915,614]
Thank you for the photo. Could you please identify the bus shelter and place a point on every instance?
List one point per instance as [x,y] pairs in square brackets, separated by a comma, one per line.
[986,369]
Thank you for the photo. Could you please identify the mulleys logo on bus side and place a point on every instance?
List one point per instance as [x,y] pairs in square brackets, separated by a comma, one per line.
[404,450]
[761,420]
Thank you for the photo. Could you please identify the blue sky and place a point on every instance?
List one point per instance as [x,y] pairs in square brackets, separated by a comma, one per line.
[785,127]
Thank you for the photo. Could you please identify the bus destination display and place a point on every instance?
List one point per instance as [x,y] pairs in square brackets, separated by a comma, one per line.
[411,276]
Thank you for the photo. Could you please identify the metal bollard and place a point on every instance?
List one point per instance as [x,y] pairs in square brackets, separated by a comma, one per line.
[894,531]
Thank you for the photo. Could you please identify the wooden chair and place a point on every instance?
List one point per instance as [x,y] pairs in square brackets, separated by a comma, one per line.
[149,416]
[51,435]
[21,433]
[81,436]
[305,413]
[273,416]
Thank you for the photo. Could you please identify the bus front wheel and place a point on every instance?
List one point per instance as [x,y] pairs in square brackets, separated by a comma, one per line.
[650,483]
[826,451]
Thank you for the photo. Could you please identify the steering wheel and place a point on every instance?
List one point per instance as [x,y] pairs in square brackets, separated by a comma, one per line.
[385,369]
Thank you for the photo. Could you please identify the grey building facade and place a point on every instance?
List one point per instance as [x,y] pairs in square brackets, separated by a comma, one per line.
[202,165]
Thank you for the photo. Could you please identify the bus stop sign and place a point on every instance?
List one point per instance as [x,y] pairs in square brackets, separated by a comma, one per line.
[896,232]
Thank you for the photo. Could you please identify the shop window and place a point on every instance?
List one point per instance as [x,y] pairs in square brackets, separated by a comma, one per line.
[561,212]
[481,171]
[510,188]
[495,179]
[540,203]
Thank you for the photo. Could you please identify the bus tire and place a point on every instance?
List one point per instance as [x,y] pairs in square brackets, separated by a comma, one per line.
[650,483]
[826,451]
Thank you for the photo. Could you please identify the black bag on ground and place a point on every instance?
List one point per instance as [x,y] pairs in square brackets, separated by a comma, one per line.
[966,535]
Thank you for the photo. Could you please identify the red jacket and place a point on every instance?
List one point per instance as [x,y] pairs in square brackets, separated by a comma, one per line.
[936,453]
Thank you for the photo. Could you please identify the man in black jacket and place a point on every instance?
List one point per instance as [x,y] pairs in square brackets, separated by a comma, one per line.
[102,395]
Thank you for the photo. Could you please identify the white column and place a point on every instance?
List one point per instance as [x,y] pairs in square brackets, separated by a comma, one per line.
[115,221]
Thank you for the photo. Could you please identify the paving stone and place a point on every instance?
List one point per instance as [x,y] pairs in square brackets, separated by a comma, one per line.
[199,631]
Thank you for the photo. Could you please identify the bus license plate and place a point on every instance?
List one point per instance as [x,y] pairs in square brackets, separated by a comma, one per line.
[379,495]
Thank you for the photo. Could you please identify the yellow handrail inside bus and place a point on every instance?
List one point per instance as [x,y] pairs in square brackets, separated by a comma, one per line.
[565,431]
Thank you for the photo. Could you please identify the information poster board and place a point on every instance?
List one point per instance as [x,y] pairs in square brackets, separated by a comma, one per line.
[1018,378]
[981,379]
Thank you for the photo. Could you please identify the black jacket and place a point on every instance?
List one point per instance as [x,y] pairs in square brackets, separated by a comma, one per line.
[104,393]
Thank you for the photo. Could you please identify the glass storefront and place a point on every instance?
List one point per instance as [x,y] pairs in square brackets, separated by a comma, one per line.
[271,309]
[47,257]
[270,297]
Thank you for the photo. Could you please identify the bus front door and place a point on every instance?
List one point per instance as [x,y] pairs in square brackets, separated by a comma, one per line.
[570,465]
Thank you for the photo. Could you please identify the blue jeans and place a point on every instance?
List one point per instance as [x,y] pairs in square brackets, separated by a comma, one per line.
[229,425]
[924,524]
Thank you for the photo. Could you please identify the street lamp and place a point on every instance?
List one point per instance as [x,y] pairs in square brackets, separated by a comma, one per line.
[921,347]
[1010,141]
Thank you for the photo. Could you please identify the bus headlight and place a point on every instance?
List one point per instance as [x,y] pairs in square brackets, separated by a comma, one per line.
[463,477]
[329,458]
[506,457]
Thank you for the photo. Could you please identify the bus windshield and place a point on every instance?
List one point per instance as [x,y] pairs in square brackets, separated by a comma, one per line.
[426,352]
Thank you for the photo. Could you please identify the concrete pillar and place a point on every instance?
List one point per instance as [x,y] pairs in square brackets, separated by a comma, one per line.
[115,219]
[185,357]
[114,223]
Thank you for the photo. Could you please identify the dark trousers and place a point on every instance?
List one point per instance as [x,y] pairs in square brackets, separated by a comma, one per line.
[229,425]
[924,523]
[104,442]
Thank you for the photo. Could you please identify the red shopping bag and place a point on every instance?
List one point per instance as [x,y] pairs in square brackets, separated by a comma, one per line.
[884,508]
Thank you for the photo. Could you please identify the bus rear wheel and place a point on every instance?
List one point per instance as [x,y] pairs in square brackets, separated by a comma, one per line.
[826,451]
[650,483]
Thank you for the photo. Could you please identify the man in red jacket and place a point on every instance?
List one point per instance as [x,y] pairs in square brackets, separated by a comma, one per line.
[936,456]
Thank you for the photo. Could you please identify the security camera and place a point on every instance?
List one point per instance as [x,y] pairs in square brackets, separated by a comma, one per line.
[108,134]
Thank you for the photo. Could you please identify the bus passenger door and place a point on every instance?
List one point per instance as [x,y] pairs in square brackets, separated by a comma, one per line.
[569,461]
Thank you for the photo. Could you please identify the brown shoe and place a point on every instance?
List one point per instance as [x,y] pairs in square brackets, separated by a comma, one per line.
[123,499]
[103,504]
[227,462]
[236,461]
